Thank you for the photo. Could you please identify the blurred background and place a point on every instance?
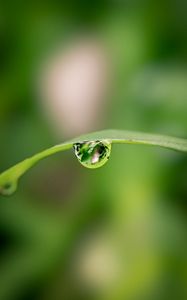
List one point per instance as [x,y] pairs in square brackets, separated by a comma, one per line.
[67,68]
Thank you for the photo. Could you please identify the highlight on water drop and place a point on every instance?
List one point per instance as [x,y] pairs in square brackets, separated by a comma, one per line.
[92,154]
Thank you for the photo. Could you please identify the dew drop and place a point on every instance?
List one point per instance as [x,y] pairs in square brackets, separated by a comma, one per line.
[93,154]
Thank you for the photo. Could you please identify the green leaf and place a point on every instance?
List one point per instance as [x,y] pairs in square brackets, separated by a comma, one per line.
[9,178]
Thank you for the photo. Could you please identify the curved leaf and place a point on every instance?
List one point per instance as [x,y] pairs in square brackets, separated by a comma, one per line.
[10,177]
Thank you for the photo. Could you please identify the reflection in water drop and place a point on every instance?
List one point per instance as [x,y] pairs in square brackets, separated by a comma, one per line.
[93,154]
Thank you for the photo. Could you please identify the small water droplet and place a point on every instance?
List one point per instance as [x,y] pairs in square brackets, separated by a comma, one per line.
[8,188]
[93,154]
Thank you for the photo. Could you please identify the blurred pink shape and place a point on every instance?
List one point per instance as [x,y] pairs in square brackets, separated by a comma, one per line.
[73,87]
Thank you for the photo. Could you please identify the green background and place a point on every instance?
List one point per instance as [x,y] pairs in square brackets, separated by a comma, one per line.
[118,232]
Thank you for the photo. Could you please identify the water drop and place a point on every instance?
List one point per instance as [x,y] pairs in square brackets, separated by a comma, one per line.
[93,154]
